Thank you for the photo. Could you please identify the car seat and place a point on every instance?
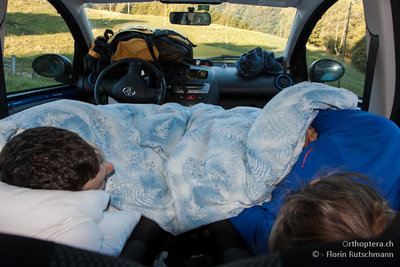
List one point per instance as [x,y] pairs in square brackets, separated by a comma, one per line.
[145,242]
[228,244]
[25,251]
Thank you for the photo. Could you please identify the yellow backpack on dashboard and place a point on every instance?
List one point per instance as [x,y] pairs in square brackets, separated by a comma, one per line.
[166,48]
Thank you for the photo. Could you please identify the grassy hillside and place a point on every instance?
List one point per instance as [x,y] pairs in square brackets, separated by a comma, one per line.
[34,27]
[42,31]
[230,40]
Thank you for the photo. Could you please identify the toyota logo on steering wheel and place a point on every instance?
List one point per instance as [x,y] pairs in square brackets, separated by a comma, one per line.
[129,91]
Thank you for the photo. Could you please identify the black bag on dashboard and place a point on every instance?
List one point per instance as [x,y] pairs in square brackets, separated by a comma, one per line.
[166,48]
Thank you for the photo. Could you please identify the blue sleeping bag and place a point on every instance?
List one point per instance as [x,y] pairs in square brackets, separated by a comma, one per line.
[348,140]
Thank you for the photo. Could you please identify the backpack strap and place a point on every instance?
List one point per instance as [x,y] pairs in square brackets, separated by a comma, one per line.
[150,45]
[174,34]
[97,53]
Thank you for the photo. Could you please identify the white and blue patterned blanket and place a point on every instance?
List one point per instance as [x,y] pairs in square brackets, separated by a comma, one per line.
[185,167]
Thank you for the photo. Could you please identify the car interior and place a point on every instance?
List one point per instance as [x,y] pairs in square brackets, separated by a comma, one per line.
[59,56]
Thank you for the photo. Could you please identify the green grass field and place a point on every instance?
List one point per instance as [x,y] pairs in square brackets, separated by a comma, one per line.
[41,31]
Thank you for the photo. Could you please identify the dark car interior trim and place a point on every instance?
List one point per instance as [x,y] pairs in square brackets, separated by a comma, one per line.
[369,73]
[395,115]
[3,94]
[298,63]
[23,100]
[76,34]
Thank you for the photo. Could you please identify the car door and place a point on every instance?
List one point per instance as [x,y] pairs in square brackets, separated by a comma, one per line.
[376,79]
[31,30]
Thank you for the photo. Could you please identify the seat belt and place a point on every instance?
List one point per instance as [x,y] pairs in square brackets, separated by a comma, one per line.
[369,73]
[3,92]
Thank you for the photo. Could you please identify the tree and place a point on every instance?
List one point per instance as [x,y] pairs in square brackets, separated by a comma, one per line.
[330,31]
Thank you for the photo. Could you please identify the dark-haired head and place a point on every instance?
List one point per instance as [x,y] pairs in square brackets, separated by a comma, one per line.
[49,158]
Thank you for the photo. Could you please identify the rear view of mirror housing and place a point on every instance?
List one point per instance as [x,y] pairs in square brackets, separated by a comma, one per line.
[213,2]
[190,18]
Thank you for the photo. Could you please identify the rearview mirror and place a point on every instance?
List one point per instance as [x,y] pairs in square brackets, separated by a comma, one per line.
[53,66]
[190,18]
[186,1]
[326,70]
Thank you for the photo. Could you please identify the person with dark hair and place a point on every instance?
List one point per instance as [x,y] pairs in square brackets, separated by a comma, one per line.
[333,208]
[343,141]
[53,158]
[51,188]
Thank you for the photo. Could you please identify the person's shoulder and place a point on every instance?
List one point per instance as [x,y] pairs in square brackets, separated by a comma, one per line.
[351,115]
[347,121]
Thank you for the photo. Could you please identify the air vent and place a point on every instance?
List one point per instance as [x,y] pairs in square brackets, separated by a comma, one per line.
[283,81]
[193,89]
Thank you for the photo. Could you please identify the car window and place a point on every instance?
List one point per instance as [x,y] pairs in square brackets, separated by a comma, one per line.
[33,28]
[340,35]
[234,30]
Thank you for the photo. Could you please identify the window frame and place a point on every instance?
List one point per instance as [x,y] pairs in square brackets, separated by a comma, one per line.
[298,61]
[19,100]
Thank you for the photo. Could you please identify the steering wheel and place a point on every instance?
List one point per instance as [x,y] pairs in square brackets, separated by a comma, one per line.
[130,80]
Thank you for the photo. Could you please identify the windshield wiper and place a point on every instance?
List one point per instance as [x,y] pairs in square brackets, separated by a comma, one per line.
[221,57]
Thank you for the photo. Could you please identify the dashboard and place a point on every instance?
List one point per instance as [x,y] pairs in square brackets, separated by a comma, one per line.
[198,84]
[222,85]
[217,84]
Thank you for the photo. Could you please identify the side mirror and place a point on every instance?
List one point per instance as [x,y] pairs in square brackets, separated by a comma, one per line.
[53,66]
[326,70]
[190,18]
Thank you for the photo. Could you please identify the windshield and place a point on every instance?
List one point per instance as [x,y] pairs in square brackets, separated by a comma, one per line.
[234,30]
